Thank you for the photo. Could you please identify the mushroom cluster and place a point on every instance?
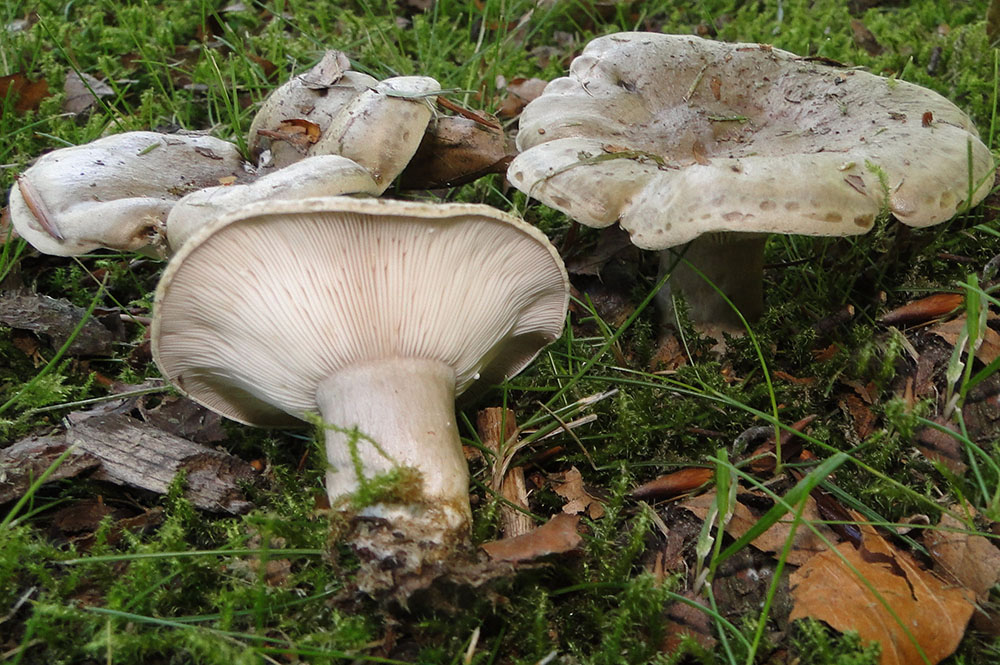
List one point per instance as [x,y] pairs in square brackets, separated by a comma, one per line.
[682,139]
[144,191]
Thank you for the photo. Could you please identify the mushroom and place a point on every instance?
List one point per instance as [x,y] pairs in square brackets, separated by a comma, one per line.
[320,175]
[683,139]
[374,314]
[116,192]
[331,110]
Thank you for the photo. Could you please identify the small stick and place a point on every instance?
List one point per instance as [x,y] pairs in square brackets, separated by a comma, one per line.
[37,207]
[465,113]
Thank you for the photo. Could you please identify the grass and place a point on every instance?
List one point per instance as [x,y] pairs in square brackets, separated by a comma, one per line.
[195,587]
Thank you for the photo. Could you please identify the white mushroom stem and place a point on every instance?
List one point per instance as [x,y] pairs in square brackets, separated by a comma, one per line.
[403,410]
[734,263]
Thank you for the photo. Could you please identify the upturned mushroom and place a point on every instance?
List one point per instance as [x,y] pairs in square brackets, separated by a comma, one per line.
[116,192]
[375,315]
[331,110]
[682,139]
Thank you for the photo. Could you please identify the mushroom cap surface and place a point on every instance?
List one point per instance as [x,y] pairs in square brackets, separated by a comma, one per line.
[262,305]
[319,175]
[116,192]
[330,110]
[675,136]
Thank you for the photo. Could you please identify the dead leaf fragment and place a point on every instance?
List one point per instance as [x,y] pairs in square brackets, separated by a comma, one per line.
[864,38]
[934,613]
[805,545]
[971,560]
[83,91]
[327,72]
[520,91]
[300,132]
[989,343]
[673,484]
[557,536]
[455,150]
[941,446]
[21,92]
[923,310]
[578,500]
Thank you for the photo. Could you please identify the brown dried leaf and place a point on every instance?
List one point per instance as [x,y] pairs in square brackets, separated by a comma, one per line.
[941,446]
[82,92]
[805,545]
[327,72]
[185,418]
[989,344]
[923,310]
[455,150]
[557,536]
[22,92]
[520,91]
[300,132]
[864,418]
[699,153]
[864,38]
[993,24]
[578,500]
[935,613]
[972,560]
[673,484]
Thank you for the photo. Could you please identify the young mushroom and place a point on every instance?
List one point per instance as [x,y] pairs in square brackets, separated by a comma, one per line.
[116,192]
[375,315]
[331,110]
[682,139]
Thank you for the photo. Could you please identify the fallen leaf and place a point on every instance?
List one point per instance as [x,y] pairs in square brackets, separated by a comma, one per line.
[82,92]
[299,132]
[23,93]
[578,500]
[557,536]
[327,72]
[806,543]
[455,150]
[941,446]
[971,560]
[685,620]
[993,24]
[699,153]
[923,310]
[673,484]
[989,344]
[864,38]
[840,587]
[864,418]
[184,418]
[520,92]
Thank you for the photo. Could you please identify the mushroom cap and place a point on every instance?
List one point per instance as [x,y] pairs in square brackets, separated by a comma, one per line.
[262,305]
[331,110]
[675,136]
[116,192]
[320,175]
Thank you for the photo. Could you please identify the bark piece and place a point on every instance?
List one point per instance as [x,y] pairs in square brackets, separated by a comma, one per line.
[135,454]
[22,463]
[55,319]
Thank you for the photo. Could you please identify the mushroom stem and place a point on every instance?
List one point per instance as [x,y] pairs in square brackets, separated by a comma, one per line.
[403,410]
[733,262]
